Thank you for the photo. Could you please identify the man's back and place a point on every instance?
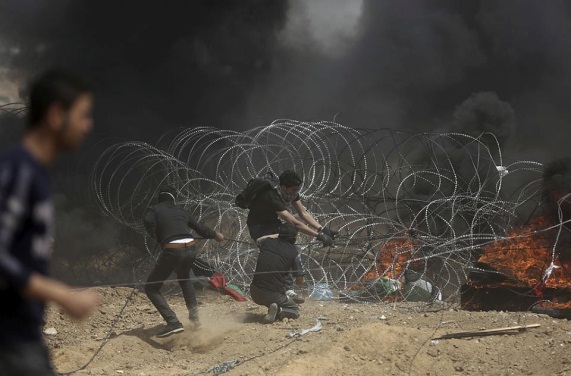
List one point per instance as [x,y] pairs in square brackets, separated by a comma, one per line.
[277,258]
[167,221]
[264,208]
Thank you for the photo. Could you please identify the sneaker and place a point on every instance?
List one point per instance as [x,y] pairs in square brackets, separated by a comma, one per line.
[293,296]
[272,313]
[171,329]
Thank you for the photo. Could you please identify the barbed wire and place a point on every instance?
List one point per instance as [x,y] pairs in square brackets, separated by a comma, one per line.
[17,108]
[401,201]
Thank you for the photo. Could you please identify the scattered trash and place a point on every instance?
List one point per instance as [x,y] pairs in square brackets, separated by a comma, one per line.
[224,367]
[435,342]
[50,331]
[488,332]
[322,318]
[321,292]
[120,371]
[418,288]
[295,333]
[383,317]
[372,290]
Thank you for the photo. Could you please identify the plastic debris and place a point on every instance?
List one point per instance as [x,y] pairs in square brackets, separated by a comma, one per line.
[221,368]
[321,291]
[315,328]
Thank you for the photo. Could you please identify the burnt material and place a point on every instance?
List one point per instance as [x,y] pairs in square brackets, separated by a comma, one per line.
[505,298]
[489,290]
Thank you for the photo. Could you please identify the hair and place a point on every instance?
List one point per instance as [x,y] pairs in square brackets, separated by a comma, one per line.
[290,178]
[287,230]
[54,86]
[167,193]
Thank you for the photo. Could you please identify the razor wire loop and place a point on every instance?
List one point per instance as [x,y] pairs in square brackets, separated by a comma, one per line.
[429,200]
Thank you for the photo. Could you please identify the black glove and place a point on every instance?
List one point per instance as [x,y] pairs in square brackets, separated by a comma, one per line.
[329,232]
[325,239]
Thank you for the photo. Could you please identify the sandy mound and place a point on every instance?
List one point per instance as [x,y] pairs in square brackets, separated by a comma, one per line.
[354,340]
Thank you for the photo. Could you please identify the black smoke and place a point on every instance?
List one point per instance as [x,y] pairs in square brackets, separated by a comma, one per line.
[414,64]
[160,66]
[485,113]
[155,65]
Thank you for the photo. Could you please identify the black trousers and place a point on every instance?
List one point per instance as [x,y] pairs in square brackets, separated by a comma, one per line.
[257,231]
[179,260]
[30,359]
[288,307]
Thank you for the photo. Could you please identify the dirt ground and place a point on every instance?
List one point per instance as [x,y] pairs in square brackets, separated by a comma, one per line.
[355,339]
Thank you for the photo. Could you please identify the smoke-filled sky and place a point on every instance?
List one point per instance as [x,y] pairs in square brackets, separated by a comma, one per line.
[367,63]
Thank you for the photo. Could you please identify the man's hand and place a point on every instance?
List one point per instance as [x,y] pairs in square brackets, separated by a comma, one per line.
[219,237]
[329,232]
[325,239]
[78,305]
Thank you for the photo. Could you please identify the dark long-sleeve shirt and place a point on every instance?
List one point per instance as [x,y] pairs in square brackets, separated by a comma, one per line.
[167,222]
[26,230]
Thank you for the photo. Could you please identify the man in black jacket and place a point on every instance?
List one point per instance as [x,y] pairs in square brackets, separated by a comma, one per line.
[268,210]
[278,257]
[171,226]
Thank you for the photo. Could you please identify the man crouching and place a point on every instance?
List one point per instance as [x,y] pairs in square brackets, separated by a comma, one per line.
[278,257]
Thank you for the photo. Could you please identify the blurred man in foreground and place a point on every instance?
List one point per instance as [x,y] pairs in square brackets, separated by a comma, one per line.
[59,119]
[278,257]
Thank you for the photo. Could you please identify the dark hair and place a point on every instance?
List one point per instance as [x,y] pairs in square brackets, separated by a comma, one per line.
[54,86]
[290,178]
[287,230]
[167,193]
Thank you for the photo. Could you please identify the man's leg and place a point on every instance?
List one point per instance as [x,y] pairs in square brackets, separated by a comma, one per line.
[285,307]
[288,308]
[289,282]
[186,285]
[31,359]
[165,265]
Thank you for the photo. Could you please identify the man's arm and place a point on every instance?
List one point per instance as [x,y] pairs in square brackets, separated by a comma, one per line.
[289,218]
[14,186]
[78,305]
[150,223]
[298,271]
[305,215]
[204,231]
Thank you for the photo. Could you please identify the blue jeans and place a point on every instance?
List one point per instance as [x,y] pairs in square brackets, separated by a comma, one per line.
[179,260]
[30,359]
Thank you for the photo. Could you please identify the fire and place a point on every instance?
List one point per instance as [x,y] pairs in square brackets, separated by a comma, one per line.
[525,254]
[392,259]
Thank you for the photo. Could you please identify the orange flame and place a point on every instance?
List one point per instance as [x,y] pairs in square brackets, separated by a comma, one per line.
[524,255]
[392,259]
